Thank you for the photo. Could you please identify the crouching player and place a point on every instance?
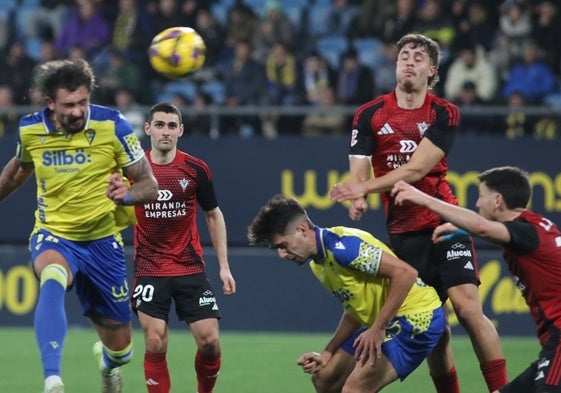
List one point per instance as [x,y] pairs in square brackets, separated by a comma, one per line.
[392,320]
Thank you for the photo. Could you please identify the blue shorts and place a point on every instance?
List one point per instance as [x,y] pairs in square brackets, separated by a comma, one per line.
[409,340]
[99,271]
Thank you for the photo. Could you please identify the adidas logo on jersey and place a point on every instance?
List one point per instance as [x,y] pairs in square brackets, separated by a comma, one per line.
[385,130]
[469,266]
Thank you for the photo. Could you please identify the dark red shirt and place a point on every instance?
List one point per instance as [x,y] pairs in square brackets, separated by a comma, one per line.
[534,260]
[391,135]
[166,238]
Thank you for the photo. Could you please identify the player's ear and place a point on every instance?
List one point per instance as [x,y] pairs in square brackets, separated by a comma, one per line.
[50,103]
[181,129]
[147,128]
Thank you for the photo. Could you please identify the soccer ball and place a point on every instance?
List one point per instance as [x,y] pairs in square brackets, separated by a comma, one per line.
[177,52]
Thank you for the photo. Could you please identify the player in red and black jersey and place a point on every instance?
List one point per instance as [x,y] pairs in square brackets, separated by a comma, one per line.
[532,249]
[168,258]
[407,135]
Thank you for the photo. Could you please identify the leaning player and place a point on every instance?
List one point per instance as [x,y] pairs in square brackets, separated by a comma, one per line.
[392,320]
[532,249]
[79,153]
[168,261]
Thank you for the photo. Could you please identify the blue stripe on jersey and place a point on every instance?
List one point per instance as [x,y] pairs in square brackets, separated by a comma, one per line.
[123,128]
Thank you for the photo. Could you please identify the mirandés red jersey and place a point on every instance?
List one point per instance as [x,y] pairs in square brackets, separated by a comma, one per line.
[166,239]
[534,260]
[390,135]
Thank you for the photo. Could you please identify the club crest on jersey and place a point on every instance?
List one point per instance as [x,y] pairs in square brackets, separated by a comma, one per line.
[183,183]
[423,127]
[90,135]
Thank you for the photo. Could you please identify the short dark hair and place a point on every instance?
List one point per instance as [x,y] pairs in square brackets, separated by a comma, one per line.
[64,74]
[432,48]
[274,218]
[511,182]
[165,107]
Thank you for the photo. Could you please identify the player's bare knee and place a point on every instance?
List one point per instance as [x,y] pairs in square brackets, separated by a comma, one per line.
[326,382]
[209,345]
[155,343]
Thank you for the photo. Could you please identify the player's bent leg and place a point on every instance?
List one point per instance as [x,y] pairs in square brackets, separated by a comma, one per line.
[332,377]
[113,351]
[155,332]
[369,378]
[156,372]
[441,364]
[483,334]
[208,358]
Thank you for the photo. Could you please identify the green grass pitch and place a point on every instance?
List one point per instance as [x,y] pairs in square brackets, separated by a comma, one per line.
[252,363]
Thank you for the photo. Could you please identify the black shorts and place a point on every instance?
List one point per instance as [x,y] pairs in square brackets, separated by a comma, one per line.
[543,375]
[193,297]
[442,265]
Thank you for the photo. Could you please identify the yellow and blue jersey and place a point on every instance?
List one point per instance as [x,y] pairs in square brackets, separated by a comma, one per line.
[72,171]
[347,265]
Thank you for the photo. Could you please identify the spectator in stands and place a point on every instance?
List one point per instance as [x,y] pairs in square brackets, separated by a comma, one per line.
[344,14]
[9,118]
[6,27]
[77,52]
[212,34]
[46,20]
[190,11]
[384,77]
[241,26]
[478,26]
[86,28]
[531,76]
[244,81]
[317,74]
[47,51]
[373,16]
[131,110]
[167,14]
[546,30]
[132,32]
[273,27]
[433,22]
[471,65]
[281,85]
[16,70]
[515,28]
[120,74]
[197,123]
[327,122]
[355,83]
[471,123]
[398,21]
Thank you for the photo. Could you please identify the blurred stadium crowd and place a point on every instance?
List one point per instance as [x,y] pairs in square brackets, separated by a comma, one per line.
[296,53]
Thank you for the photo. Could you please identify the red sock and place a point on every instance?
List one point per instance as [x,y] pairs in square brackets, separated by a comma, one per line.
[156,373]
[494,372]
[207,369]
[447,383]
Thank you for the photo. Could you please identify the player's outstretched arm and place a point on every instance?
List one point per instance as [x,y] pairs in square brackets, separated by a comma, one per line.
[217,231]
[14,174]
[422,162]
[460,217]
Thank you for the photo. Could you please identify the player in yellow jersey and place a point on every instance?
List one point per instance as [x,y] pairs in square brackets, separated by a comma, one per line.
[80,154]
[392,320]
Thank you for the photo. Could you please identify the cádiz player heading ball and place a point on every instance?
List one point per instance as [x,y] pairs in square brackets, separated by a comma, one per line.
[177,52]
